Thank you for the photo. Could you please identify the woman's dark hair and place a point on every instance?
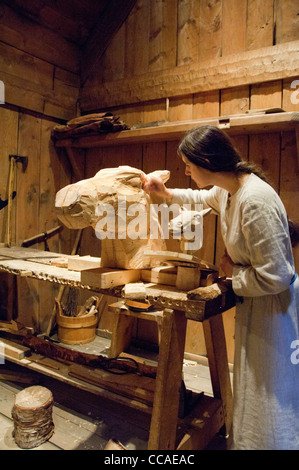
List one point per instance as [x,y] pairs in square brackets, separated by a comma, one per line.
[211,148]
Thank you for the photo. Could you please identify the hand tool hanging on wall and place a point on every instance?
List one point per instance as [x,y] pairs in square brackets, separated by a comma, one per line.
[13,160]
[5,203]
[42,237]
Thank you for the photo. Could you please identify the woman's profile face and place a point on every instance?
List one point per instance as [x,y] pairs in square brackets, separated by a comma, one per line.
[201,176]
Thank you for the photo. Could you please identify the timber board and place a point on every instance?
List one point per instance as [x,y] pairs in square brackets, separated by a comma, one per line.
[233,124]
[161,296]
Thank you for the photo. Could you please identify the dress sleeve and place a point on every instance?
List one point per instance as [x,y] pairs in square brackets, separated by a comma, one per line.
[270,268]
[206,197]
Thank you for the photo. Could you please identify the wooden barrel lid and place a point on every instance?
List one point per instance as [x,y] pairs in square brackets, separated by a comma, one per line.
[33,397]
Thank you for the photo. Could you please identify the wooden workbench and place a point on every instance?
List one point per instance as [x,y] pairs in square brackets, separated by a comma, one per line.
[166,431]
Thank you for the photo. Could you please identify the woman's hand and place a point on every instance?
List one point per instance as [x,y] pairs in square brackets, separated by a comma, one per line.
[226,264]
[154,185]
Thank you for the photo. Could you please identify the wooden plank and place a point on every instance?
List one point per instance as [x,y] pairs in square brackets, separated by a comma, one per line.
[159,276]
[188,31]
[234,100]
[78,263]
[163,34]
[217,357]
[264,150]
[180,108]
[204,423]
[260,24]
[290,94]
[22,92]
[160,296]
[287,21]
[106,278]
[8,136]
[206,104]
[289,172]
[265,95]
[28,36]
[210,33]
[168,382]
[108,23]
[13,350]
[121,333]
[112,63]
[244,68]
[47,218]
[27,215]
[233,125]
[54,18]
[129,385]
[137,26]
[234,27]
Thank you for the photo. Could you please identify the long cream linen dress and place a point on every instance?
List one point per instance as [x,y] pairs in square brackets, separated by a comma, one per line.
[255,231]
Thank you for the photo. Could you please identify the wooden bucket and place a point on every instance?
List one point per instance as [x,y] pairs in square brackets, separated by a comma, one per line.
[76,330]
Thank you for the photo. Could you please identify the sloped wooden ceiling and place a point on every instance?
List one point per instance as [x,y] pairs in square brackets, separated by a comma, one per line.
[78,31]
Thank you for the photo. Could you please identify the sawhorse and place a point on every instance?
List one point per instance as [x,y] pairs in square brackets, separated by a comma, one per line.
[211,415]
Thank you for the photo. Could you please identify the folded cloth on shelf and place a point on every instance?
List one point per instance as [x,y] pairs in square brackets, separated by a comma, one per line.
[90,124]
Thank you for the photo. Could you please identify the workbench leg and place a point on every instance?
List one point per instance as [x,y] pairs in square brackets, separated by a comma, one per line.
[168,381]
[121,333]
[218,363]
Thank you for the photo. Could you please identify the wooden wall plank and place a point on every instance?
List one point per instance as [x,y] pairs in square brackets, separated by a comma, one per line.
[113,62]
[260,24]
[234,100]
[162,34]
[290,94]
[155,110]
[266,95]
[287,21]
[180,108]
[105,27]
[52,18]
[289,177]
[29,84]
[264,150]
[244,68]
[27,216]
[234,27]
[8,137]
[136,52]
[188,31]
[206,104]
[47,219]
[210,29]
[32,38]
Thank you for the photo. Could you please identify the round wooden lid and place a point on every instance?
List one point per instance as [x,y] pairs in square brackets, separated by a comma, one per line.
[33,397]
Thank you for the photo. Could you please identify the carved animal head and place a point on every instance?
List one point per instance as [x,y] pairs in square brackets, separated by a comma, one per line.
[81,204]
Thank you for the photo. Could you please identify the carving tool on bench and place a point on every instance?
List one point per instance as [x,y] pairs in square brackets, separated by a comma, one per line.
[42,237]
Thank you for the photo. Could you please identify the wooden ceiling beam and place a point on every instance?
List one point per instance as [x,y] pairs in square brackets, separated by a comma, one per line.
[109,22]
[245,68]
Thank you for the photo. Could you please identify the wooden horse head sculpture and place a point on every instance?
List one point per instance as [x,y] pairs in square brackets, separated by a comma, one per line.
[115,205]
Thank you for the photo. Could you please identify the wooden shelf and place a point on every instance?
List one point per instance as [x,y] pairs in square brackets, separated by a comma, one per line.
[234,124]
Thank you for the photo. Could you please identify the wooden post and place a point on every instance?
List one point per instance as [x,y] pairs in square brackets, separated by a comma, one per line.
[168,381]
[218,363]
[187,278]
[121,332]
